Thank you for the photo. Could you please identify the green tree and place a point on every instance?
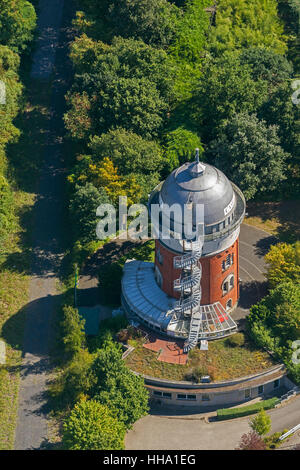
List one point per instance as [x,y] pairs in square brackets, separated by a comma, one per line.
[83,206]
[250,152]
[247,23]
[261,423]
[9,65]
[267,65]
[117,387]
[129,85]
[153,21]
[72,328]
[73,383]
[17,23]
[180,145]
[91,426]
[128,151]
[225,88]
[279,313]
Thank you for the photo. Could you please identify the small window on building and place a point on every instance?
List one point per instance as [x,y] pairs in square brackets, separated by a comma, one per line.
[205,397]
[167,395]
[276,383]
[157,393]
[247,393]
[231,282]
[191,397]
[181,396]
[229,304]
[260,390]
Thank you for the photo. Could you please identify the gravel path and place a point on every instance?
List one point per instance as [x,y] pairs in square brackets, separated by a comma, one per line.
[50,60]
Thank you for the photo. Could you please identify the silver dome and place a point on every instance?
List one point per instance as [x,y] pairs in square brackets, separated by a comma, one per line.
[200,183]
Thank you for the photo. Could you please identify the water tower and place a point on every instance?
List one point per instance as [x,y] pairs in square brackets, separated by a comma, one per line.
[193,286]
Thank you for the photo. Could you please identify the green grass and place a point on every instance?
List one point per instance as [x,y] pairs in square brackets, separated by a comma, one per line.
[230,413]
[13,298]
[221,362]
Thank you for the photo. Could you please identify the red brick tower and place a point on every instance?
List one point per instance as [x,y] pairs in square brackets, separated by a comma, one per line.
[194,283]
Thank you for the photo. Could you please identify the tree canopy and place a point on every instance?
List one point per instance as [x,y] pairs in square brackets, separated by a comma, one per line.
[17,23]
[247,23]
[250,152]
[117,387]
[92,426]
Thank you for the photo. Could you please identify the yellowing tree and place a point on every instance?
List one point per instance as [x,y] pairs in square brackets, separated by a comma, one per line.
[284,263]
[105,175]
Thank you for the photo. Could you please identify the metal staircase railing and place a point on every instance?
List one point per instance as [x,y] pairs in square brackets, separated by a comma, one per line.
[189,286]
[186,283]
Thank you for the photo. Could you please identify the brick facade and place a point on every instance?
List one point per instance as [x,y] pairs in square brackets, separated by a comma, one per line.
[214,274]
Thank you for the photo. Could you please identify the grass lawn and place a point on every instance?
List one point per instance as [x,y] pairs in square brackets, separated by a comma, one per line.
[281,219]
[13,297]
[221,361]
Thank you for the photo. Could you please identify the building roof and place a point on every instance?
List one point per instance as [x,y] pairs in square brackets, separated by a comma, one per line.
[143,297]
[199,183]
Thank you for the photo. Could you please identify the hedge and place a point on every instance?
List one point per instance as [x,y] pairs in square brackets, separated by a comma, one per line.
[230,413]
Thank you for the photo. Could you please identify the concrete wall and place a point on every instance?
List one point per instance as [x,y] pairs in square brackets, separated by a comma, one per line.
[219,394]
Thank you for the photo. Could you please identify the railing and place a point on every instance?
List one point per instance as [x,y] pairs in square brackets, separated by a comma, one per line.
[188,282]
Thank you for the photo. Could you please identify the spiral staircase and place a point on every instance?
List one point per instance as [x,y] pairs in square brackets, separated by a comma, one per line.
[190,289]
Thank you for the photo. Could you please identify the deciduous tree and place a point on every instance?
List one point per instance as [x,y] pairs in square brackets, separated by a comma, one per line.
[91,426]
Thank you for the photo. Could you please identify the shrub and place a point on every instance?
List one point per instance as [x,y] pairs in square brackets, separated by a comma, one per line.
[196,373]
[251,441]
[261,423]
[236,340]
[230,413]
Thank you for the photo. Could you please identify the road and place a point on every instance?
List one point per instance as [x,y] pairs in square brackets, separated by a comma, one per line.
[162,433]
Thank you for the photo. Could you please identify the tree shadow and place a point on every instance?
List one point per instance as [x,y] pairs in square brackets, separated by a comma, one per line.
[252,292]
[286,213]
[263,245]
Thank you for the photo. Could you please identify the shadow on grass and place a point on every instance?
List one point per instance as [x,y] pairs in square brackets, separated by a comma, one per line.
[286,215]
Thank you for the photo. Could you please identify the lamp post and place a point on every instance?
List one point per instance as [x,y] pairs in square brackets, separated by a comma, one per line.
[75,285]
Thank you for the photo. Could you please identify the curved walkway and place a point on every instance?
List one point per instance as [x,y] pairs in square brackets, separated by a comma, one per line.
[162,433]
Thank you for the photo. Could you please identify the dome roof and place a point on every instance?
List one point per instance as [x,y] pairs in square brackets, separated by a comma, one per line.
[200,183]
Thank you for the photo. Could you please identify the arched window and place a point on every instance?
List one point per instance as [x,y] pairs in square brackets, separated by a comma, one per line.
[228,284]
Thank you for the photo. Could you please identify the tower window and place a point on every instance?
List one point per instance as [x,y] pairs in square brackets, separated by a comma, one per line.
[228,284]
[229,304]
[227,262]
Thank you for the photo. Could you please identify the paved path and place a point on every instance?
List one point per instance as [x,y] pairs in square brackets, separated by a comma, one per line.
[31,432]
[254,244]
[162,433]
